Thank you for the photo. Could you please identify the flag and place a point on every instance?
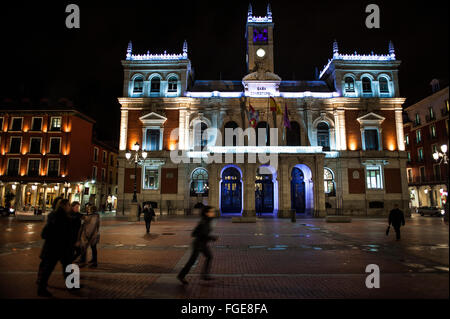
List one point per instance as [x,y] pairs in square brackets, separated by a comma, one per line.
[286,121]
[253,116]
[274,107]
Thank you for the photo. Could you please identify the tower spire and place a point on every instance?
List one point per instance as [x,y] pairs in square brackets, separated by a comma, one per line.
[335,48]
[250,11]
[269,11]
[185,49]
[129,50]
[391,49]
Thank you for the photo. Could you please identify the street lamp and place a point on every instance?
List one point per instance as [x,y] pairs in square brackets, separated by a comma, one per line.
[136,156]
[442,157]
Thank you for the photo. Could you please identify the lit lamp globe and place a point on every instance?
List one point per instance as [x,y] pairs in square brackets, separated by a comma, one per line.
[436,156]
[261,53]
[444,148]
[128,155]
[136,147]
[144,155]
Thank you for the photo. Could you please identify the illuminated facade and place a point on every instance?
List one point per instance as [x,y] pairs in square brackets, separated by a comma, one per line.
[426,130]
[47,153]
[344,152]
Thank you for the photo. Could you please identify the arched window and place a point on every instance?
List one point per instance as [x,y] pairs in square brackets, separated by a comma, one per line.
[366,85]
[230,125]
[172,84]
[155,85]
[328,181]
[260,127]
[199,182]
[200,137]
[349,84]
[384,87]
[293,134]
[138,85]
[323,135]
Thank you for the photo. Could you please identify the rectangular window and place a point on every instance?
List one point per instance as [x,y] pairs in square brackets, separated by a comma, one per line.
[1,124]
[55,124]
[16,143]
[434,148]
[13,167]
[34,166]
[431,113]
[152,140]
[371,139]
[94,172]
[36,126]
[418,136]
[53,168]
[437,172]
[420,154]
[55,145]
[110,178]
[410,175]
[407,140]
[111,160]
[417,119]
[374,180]
[103,175]
[104,157]
[433,131]
[16,124]
[95,154]
[409,156]
[422,173]
[151,178]
[35,145]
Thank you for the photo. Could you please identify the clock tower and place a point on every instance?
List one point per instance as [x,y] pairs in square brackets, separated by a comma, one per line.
[259,37]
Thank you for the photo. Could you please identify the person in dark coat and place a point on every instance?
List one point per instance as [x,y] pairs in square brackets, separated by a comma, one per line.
[149,213]
[396,219]
[202,236]
[57,245]
[75,219]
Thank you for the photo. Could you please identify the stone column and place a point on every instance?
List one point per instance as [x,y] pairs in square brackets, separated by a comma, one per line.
[44,208]
[182,128]
[337,130]
[2,194]
[248,182]
[399,129]
[123,129]
[342,133]
[120,186]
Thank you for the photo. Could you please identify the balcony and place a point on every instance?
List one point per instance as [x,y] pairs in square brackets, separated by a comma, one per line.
[421,180]
[430,118]
[415,123]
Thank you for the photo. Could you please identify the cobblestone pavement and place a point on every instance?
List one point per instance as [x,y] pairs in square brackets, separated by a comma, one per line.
[272,258]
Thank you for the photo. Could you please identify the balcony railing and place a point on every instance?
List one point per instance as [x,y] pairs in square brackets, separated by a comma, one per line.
[426,180]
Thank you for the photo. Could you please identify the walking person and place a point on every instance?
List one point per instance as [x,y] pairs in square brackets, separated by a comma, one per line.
[57,245]
[202,236]
[396,219]
[90,235]
[149,214]
[75,218]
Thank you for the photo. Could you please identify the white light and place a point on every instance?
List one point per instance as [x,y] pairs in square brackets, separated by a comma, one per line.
[436,155]
[444,148]
[442,212]
[33,187]
[136,147]
[128,155]
[426,191]
[144,155]
[261,53]
[93,181]
[14,186]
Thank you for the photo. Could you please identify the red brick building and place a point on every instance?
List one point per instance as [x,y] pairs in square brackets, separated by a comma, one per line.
[426,129]
[46,153]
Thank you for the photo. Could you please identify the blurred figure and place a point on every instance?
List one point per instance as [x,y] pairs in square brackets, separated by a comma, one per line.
[90,235]
[396,219]
[149,213]
[75,219]
[202,236]
[57,245]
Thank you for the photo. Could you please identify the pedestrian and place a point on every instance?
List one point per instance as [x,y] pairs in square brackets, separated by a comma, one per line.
[202,236]
[57,245]
[75,218]
[149,214]
[396,219]
[90,235]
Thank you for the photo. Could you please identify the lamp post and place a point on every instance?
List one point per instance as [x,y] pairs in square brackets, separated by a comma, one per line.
[136,156]
[442,157]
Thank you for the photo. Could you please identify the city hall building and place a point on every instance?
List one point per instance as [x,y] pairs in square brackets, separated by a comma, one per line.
[343,152]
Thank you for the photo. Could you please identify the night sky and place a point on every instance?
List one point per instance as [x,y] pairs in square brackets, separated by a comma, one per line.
[43,59]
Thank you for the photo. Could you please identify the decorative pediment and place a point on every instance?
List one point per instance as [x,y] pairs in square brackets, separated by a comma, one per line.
[153,119]
[371,119]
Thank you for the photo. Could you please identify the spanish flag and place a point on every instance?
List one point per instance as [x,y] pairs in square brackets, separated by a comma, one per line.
[274,107]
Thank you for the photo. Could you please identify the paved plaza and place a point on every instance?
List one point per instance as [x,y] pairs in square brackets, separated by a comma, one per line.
[272,258]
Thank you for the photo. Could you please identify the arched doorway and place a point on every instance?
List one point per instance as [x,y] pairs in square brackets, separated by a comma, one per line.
[298,197]
[231,190]
[264,192]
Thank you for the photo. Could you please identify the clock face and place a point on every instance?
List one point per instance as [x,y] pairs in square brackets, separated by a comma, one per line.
[260,35]
[261,53]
